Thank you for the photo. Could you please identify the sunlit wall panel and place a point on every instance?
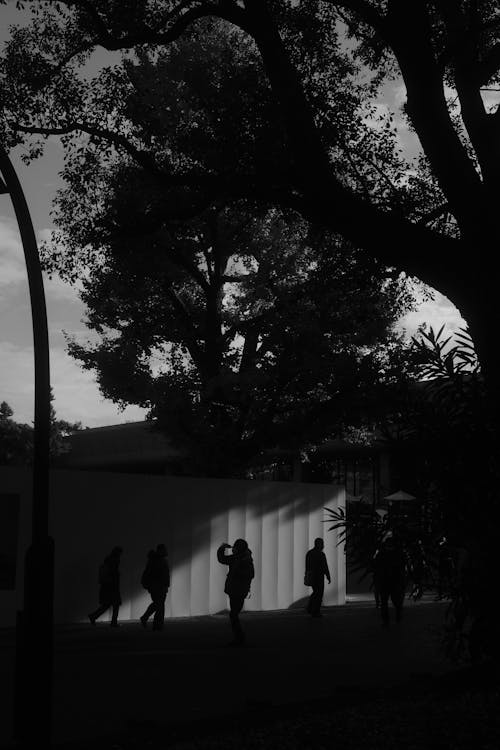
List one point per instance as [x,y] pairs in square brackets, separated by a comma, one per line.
[285,555]
[92,512]
[300,544]
[179,509]
[270,555]
[253,535]
[217,572]
[200,569]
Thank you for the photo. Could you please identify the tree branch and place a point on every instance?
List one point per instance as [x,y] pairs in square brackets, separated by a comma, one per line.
[190,330]
[434,214]
[489,66]
[191,268]
[383,175]
[247,361]
[222,9]
[428,111]
[93,14]
[463,32]
[234,185]
[364,11]
[116,139]
[104,38]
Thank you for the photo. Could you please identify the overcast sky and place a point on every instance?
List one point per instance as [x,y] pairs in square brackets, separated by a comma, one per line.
[77,397]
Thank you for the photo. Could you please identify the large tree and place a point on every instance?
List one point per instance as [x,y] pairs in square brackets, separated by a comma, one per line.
[446,53]
[243,328]
[322,65]
[237,333]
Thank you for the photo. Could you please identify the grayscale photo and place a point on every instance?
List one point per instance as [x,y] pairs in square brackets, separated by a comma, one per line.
[249,365]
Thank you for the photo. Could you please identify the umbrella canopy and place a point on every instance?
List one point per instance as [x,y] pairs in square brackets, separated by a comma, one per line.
[400,496]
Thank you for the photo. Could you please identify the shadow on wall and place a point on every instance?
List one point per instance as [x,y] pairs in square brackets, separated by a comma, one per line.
[91,512]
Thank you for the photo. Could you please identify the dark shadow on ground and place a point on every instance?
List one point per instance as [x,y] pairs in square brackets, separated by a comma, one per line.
[299,603]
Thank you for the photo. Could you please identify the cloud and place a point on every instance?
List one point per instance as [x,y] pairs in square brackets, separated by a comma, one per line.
[491,99]
[12,265]
[77,396]
[58,290]
[435,313]
[64,308]
[391,102]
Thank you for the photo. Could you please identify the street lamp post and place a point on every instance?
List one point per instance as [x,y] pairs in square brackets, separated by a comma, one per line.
[34,631]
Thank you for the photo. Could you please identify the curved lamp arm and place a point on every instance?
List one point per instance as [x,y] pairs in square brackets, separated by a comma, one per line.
[34,630]
[10,184]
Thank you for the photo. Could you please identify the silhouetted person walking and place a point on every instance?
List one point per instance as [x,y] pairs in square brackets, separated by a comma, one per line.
[109,587]
[238,580]
[390,577]
[156,579]
[316,572]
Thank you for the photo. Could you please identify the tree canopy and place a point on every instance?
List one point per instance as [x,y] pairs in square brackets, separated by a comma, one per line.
[238,335]
[244,327]
[320,88]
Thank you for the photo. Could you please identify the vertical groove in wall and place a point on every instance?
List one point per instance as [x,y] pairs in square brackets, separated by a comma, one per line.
[269,561]
[253,535]
[181,578]
[217,572]
[285,554]
[192,517]
[300,541]
[200,565]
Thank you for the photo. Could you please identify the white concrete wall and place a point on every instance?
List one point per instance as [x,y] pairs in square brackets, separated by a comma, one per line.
[91,512]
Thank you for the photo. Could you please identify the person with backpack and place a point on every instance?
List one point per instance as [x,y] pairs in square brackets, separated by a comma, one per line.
[238,581]
[109,587]
[156,580]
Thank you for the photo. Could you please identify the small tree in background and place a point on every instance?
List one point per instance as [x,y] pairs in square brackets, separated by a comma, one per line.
[16,438]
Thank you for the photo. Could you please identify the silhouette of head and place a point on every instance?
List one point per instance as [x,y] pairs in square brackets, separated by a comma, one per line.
[161,550]
[240,546]
[318,543]
[116,552]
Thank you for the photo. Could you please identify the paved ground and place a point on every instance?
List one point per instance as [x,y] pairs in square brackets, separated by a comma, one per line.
[106,680]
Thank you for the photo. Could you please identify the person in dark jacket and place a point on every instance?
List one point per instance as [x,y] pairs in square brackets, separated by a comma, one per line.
[238,580]
[109,587]
[156,579]
[390,577]
[316,572]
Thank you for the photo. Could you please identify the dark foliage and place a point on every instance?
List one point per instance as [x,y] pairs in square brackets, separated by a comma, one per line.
[16,439]
[444,432]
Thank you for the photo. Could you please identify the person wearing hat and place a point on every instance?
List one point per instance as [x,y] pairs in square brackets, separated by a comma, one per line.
[238,581]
